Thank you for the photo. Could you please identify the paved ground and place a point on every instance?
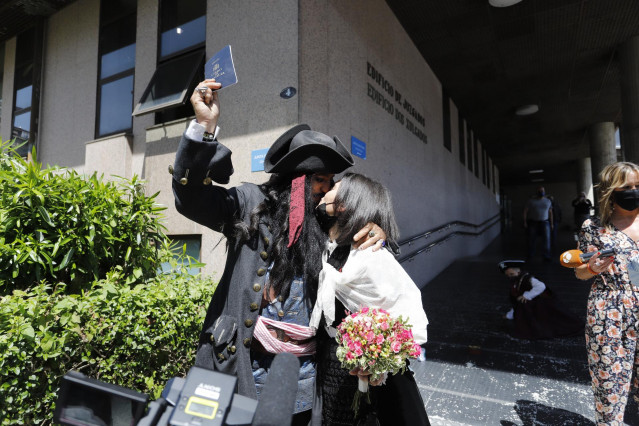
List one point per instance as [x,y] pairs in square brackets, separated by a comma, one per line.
[476,374]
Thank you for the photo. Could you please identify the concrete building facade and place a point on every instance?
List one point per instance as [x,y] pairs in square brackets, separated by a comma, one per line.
[356,75]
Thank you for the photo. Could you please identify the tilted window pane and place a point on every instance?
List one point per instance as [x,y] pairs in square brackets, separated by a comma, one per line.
[116,100]
[117,61]
[183,36]
[23,97]
[170,83]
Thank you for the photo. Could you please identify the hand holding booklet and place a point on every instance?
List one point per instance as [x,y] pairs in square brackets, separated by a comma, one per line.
[221,68]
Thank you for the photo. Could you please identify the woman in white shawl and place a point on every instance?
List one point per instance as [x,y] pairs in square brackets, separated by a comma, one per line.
[352,279]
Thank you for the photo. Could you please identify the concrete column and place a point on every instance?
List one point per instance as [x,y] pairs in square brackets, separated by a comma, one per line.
[629,81]
[584,177]
[602,147]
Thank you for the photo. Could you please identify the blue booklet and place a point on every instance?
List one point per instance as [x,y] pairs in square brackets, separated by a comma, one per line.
[221,68]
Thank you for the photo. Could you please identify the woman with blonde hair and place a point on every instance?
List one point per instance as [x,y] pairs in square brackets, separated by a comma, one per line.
[613,304]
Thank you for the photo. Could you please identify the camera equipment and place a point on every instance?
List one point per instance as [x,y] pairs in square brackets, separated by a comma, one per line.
[203,398]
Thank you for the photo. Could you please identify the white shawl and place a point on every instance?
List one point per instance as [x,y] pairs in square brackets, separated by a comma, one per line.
[372,279]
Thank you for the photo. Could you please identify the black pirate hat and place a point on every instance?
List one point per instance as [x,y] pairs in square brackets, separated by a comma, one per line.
[505,264]
[302,150]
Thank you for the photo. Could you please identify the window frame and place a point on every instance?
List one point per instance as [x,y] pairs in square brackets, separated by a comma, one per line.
[164,61]
[101,82]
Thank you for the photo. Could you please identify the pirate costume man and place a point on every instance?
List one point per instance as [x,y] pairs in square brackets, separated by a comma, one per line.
[536,312]
[263,301]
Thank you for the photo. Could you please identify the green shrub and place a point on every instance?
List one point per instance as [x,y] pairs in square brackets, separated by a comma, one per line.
[135,337]
[57,225]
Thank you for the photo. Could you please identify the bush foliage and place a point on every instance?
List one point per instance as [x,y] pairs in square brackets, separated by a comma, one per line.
[79,290]
[57,225]
[135,337]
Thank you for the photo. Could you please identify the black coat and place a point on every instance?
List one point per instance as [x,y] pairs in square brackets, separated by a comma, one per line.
[226,335]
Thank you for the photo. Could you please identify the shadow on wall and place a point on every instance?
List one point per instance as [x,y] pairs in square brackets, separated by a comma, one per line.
[533,413]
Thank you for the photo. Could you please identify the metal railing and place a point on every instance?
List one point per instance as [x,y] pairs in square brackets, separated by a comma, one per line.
[485,225]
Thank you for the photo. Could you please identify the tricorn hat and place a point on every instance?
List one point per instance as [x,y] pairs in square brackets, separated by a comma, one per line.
[505,264]
[302,150]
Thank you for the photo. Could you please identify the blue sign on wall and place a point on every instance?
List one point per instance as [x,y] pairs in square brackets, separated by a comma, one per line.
[358,147]
[257,159]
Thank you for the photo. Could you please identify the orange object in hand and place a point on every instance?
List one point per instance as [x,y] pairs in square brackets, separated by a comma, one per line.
[574,258]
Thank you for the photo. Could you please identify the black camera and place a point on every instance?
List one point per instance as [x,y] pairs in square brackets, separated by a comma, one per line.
[203,398]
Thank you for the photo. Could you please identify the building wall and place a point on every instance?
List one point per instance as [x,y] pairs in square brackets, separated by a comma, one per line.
[265,48]
[69,84]
[430,186]
[327,51]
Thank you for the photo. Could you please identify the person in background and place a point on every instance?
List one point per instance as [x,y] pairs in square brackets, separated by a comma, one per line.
[536,312]
[538,221]
[352,279]
[582,207]
[613,304]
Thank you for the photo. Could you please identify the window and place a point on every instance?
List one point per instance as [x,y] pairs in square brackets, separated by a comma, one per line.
[1,75]
[461,127]
[117,66]
[446,116]
[181,60]
[184,245]
[27,49]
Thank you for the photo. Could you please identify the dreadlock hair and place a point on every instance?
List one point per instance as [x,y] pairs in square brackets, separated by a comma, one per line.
[304,258]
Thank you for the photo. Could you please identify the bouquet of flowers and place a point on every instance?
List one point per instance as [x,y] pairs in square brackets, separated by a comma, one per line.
[374,341]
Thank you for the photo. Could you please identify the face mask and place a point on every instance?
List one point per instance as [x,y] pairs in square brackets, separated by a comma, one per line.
[628,199]
[325,221]
[541,193]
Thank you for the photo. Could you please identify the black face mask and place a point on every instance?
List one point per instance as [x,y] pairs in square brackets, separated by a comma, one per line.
[325,221]
[628,199]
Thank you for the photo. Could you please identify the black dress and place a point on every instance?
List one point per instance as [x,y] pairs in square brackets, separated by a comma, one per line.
[543,317]
[398,402]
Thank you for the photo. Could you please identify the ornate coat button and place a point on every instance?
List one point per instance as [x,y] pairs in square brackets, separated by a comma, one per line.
[253,306]
[185,179]
[280,314]
[264,255]
[280,298]
[212,339]
[221,356]
[261,272]
[207,181]
[257,287]
[171,168]
[248,322]
[247,342]
[231,349]
[266,241]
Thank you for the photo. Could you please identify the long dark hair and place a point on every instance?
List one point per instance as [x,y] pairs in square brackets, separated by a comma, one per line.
[360,200]
[304,258]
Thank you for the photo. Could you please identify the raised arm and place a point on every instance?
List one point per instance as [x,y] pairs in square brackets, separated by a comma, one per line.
[201,160]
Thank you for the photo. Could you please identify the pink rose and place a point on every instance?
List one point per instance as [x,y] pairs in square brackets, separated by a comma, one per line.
[396,346]
[358,351]
[384,326]
[380,339]
[370,336]
[364,310]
